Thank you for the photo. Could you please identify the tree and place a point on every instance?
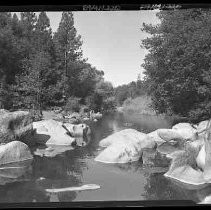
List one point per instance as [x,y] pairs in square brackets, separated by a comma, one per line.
[68,53]
[178,63]
[37,75]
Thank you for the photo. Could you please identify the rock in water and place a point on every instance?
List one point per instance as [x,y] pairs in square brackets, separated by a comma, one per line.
[16,126]
[14,151]
[186,130]
[177,134]
[123,136]
[124,146]
[119,153]
[51,132]
[169,134]
[80,130]
[182,126]
[155,137]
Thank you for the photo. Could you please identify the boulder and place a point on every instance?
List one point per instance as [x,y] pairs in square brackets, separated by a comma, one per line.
[16,126]
[14,151]
[169,134]
[126,135]
[201,129]
[182,126]
[124,146]
[186,130]
[120,153]
[178,134]
[52,132]
[202,126]
[80,130]
[188,167]
[155,137]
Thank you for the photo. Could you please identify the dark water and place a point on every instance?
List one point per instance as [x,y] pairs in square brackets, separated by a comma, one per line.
[76,167]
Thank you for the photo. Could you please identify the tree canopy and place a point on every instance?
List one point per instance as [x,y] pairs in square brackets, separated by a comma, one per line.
[40,69]
[178,63]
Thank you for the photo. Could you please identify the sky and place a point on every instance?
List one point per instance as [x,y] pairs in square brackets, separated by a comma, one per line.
[111,40]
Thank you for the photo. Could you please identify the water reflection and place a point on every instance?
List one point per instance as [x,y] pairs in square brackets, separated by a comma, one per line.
[15,172]
[60,167]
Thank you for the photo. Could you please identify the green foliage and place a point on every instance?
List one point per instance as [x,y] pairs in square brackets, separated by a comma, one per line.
[178,63]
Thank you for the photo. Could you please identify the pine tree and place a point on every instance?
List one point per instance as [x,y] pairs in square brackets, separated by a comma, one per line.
[37,74]
[68,52]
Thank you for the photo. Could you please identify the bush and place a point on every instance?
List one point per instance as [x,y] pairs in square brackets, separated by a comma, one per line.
[73,104]
[140,105]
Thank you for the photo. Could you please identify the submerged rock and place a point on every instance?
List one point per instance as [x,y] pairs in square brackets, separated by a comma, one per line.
[124,146]
[16,126]
[14,151]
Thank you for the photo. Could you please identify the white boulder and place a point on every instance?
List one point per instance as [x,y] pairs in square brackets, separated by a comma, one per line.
[52,132]
[13,152]
[124,146]
[126,135]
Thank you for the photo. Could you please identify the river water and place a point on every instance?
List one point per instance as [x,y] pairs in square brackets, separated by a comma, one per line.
[76,167]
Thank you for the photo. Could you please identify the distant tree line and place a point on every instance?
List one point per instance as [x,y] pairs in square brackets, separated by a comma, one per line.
[41,69]
[178,65]
[130,91]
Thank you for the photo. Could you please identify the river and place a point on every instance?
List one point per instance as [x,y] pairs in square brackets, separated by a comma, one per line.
[133,181]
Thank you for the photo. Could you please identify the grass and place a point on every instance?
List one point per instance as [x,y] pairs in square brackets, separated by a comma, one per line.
[139,105]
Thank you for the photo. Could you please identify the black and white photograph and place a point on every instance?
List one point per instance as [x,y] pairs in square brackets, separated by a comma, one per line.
[105,104]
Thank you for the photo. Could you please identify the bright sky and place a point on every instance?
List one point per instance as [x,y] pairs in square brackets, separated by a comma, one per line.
[111,40]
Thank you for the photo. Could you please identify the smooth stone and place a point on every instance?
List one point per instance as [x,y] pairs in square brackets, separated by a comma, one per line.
[14,151]
[119,153]
[126,135]
[202,125]
[79,130]
[170,134]
[155,137]
[124,146]
[182,126]
[51,132]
